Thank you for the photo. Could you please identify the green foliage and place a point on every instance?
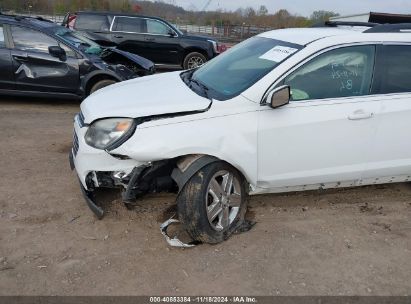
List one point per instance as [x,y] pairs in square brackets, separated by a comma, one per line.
[262,11]
[318,16]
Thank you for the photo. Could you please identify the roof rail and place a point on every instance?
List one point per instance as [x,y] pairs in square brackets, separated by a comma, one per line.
[390,28]
[350,23]
[42,19]
[21,17]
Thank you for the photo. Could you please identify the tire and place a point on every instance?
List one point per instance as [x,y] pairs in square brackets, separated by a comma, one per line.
[101,84]
[196,200]
[194,60]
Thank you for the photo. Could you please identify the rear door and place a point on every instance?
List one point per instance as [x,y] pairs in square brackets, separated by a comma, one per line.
[390,159]
[6,73]
[35,69]
[95,26]
[129,33]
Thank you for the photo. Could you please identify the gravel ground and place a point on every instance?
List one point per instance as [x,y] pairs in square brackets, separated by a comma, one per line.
[340,242]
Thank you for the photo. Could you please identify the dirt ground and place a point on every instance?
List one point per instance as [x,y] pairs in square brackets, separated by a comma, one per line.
[344,242]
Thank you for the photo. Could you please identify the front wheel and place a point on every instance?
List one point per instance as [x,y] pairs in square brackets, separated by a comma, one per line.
[101,84]
[213,202]
[194,60]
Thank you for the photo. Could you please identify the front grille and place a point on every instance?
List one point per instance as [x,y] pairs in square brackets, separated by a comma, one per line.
[75,144]
[81,119]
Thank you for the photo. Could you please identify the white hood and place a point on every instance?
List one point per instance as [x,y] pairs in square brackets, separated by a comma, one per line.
[152,95]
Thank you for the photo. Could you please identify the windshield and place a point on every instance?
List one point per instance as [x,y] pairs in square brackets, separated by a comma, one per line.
[79,41]
[234,71]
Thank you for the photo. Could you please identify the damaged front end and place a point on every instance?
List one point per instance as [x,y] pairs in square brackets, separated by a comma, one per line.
[139,145]
[149,178]
[124,63]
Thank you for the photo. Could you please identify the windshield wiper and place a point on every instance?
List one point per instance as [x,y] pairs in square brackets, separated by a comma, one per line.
[200,85]
[186,77]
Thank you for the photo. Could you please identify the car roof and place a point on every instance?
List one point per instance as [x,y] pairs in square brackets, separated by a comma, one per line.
[304,36]
[104,13]
[37,22]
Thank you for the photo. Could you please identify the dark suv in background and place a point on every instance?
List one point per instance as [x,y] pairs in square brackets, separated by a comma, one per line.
[150,37]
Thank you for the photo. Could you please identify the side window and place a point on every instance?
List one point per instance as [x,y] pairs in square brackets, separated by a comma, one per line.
[2,42]
[69,51]
[394,69]
[26,39]
[129,24]
[92,22]
[157,27]
[342,72]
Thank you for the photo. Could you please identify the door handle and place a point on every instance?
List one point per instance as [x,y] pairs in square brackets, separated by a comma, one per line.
[149,39]
[360,114]
[21,58]
[118,36]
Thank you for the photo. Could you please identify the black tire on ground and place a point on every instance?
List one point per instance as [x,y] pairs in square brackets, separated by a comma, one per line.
[101,84]
[194,60]
[194,203]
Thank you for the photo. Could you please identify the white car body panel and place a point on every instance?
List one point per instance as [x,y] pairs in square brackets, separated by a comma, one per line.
[304,36]
[300,146]
[315,143]
[216,132]
[143,97]
[390,155]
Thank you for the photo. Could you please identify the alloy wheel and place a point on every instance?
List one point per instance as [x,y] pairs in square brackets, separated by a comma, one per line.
[223,200]
[195,62]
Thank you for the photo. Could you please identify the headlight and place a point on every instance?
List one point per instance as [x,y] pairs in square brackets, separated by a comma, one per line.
[108,134]
[215,45]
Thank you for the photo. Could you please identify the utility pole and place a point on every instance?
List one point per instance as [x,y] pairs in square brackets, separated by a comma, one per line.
[207,5]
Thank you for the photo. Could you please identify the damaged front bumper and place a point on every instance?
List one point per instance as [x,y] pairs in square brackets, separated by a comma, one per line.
[95,180]
[100,169]
[92,165]
[88,195]
[97,168]
[89,198]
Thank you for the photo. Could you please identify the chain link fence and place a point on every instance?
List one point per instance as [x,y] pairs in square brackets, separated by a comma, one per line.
[236,32]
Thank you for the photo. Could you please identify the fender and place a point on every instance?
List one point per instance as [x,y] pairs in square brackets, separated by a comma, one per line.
[89,76]
[188,166]
[141,61]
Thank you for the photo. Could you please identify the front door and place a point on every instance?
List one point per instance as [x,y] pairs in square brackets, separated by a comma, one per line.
[6,73]
[35,69]
[162,43]
[323,137]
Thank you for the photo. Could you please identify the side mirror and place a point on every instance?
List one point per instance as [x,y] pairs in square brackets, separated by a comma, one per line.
[58,52]
[279,96]
[171,33]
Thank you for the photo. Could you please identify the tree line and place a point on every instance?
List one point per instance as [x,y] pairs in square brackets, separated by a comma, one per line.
[255,16]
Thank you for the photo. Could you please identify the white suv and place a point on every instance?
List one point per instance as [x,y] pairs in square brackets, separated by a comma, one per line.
[287,110]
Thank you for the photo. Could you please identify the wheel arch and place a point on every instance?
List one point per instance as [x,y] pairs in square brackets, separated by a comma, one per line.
[194,49]
[97,76]
[188,165]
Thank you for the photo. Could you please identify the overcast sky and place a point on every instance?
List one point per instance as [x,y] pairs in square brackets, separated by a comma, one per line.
[306,7]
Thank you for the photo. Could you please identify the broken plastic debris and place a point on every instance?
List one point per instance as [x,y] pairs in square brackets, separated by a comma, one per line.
[244,226]
[174,242]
